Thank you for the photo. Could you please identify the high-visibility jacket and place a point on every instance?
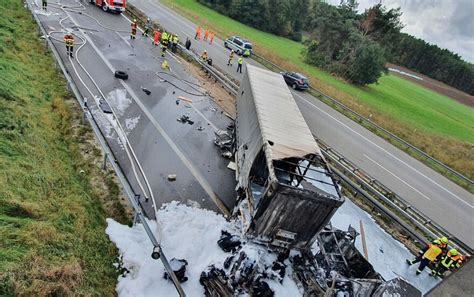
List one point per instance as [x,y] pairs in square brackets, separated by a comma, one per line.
[450,261]
[240,60]
[175,39]
[69,39]
[164,38]
[432,252]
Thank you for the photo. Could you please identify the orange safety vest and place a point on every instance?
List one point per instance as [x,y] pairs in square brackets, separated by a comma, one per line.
[433,252]
[206,33]
[198,30]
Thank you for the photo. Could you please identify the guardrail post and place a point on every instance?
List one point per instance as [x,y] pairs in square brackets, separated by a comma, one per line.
[104,166]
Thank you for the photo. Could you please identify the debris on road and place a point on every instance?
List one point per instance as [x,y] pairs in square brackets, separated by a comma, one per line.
[121,74]
[104,106]
[148,92]
[227,154]
[179,268]
[232,166]
[171,177]
[200,128]
[185,99]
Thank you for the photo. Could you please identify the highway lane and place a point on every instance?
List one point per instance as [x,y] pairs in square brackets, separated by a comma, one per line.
[437,197]
[162,145]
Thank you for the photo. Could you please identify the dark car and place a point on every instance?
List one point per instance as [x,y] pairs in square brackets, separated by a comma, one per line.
[296,80]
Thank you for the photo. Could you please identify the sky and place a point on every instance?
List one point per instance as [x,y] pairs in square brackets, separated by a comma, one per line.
[446,23]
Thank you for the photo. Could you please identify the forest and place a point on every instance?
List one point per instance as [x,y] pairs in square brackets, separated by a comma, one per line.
[347,43]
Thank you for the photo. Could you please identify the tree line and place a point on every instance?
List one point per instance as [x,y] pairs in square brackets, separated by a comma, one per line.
[352,45]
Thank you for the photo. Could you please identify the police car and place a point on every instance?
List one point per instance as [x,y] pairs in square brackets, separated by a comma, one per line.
[239,45]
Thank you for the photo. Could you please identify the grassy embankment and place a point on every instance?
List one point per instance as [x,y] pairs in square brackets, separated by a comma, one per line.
[435,123]
[54,197]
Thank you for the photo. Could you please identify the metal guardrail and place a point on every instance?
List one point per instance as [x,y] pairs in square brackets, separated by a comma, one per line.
[417,225]
[388,202]
[442,168]
[133,198]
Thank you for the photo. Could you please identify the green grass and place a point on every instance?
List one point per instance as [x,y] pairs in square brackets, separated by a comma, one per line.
[436,123]
[52,239]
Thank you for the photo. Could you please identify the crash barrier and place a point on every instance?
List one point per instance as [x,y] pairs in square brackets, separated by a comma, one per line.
[387,202]
[213,71]
[434,163]
[133,197]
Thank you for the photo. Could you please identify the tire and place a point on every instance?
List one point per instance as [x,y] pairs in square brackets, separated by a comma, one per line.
[225,45]
[121,74]
[105,8]
[294,86]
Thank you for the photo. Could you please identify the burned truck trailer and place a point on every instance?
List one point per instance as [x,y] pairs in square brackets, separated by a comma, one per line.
[287,192]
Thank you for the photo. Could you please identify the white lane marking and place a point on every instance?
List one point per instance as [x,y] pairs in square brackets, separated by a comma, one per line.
[375,162]
[204,117]
[382,149]
[124,39]
[202,181]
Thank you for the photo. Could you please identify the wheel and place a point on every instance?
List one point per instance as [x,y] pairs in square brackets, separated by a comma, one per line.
[294,86]
[105,8]
[91,1]
[121,74]
[225,45]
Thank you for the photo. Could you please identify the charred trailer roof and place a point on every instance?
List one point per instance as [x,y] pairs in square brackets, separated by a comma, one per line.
[290,191]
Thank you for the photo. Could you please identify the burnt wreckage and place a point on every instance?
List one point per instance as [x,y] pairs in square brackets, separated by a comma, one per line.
[286,197]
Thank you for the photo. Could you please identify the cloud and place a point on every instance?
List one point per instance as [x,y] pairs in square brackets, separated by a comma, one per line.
[446,23]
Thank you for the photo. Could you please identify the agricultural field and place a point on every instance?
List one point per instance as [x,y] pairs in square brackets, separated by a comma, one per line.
[440,125]
[54,198]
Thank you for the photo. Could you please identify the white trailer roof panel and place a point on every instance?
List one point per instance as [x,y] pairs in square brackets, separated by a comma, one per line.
[280,120]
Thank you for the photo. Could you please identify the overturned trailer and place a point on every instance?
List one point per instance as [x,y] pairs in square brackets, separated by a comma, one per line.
[287,192]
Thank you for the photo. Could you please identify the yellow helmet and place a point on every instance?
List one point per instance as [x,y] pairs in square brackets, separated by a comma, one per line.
[453,252]
[444,239]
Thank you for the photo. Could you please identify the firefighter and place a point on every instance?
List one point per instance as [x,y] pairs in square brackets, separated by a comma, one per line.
[69,41]
[147,27]
[231,57]
[204,56]
[164,43]
[44,4]
[452,260]
[431,253]
[175,41]
[206,34]
[156,37]
[240,60]
[198,33]
[211,38]
[188,43]
[134,29]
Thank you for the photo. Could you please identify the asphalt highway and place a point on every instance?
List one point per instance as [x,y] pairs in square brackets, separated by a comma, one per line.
[161,144]
[437,197]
